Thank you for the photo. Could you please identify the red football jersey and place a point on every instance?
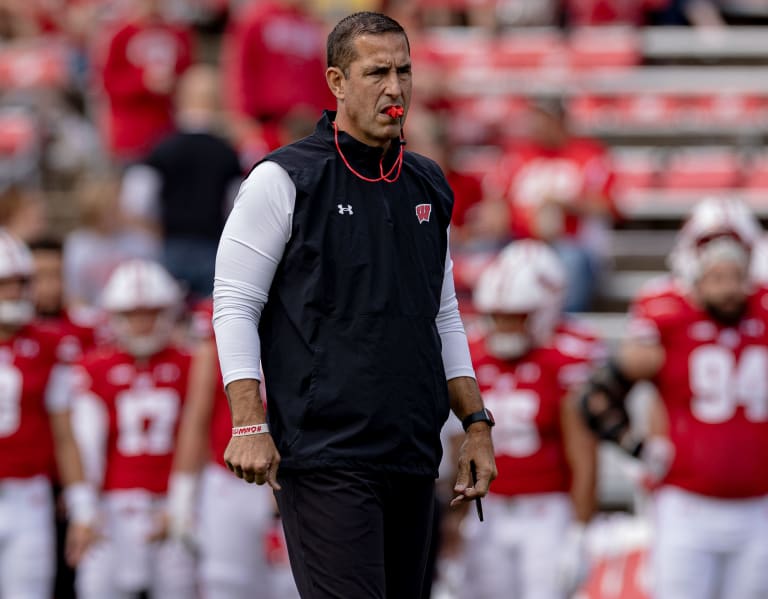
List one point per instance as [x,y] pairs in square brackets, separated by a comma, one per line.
[26,362]
[143,400]
[714,385]
[525,396]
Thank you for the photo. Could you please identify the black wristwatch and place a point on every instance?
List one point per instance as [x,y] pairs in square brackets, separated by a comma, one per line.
[483,415]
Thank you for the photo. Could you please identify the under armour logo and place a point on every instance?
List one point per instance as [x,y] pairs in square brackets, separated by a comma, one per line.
[345,209]
[423,211]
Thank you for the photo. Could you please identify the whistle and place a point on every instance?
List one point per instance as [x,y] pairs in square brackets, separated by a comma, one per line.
[395,112]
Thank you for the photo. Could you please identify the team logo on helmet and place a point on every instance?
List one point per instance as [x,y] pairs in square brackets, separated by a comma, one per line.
[423,212]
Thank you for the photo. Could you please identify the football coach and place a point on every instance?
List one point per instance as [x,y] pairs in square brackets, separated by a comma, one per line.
[333,271]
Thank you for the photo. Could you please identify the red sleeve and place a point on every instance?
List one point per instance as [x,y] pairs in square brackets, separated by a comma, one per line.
[121,78]
[467,192]
[185,51]
[242,39]
[653,311]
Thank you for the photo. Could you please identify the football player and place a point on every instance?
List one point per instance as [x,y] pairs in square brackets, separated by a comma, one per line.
[545,492]
[702,339]
[80,326]
[127,411]
[238,533]
[34,426]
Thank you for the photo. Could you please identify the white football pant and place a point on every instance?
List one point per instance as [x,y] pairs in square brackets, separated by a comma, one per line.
[27,538]
[234,519]
[124,562]
[515,551]
[709,548]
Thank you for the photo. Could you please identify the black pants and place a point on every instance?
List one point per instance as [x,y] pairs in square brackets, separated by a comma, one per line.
[355,535]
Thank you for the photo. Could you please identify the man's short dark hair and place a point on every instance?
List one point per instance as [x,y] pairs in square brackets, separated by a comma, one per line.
[340,50]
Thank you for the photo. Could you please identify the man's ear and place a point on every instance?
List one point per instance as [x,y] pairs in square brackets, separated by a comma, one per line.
[336,81]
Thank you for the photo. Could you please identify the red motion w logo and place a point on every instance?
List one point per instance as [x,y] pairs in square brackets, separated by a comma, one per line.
[423,211]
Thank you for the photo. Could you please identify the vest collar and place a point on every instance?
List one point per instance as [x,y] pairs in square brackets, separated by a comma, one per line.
[361,156]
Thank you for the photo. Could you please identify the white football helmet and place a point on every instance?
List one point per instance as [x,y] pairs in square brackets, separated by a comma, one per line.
[525,278]
[713,218]
[15,263]
[137,285]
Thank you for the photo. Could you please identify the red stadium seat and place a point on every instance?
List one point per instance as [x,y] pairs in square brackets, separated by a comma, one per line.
[594,111]
[652,110]
[41,64]
[702,168]
[635,168]
[604,47]
[18,133]
[457,50]
[756,173]
[530,49]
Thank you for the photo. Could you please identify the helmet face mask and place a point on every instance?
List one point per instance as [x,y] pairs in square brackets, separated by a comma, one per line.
[510,337]
[16,268]
[712,220]
[143,332]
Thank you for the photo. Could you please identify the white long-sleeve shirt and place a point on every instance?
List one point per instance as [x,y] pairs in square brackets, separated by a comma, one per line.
[250,250]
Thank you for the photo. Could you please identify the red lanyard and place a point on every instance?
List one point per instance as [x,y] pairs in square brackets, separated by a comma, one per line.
[398,163]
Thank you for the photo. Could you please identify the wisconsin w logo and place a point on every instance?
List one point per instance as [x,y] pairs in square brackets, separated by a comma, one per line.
[423,211]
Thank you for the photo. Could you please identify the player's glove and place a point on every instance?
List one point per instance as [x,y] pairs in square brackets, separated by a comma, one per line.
[603,408]
[573,560]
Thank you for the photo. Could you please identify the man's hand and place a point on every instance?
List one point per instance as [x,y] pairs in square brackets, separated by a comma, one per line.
[254,459]
[79,538]
[477,447]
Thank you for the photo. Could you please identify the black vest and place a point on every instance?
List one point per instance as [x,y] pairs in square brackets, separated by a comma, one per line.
[350,350]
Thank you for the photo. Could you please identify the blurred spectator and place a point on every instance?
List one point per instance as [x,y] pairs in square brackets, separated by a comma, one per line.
[144,59]
[73,146]
[709,13]
[20,145]
[187,183]
[273,63]
[557,188]
[100,243]
[430,64]
[22,212]
[17,20]
[427,135]
[580,13]
[528,12]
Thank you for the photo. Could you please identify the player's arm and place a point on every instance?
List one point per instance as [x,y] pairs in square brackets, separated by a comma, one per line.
[251,248]
[602,401]
[79,495]
[194,428]
[464,395]
[192,442]
[581,453]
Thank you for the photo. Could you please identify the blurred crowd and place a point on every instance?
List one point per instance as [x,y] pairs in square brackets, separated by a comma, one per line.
[126,127]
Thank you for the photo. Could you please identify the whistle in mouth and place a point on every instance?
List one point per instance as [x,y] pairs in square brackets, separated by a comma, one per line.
[395,111]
